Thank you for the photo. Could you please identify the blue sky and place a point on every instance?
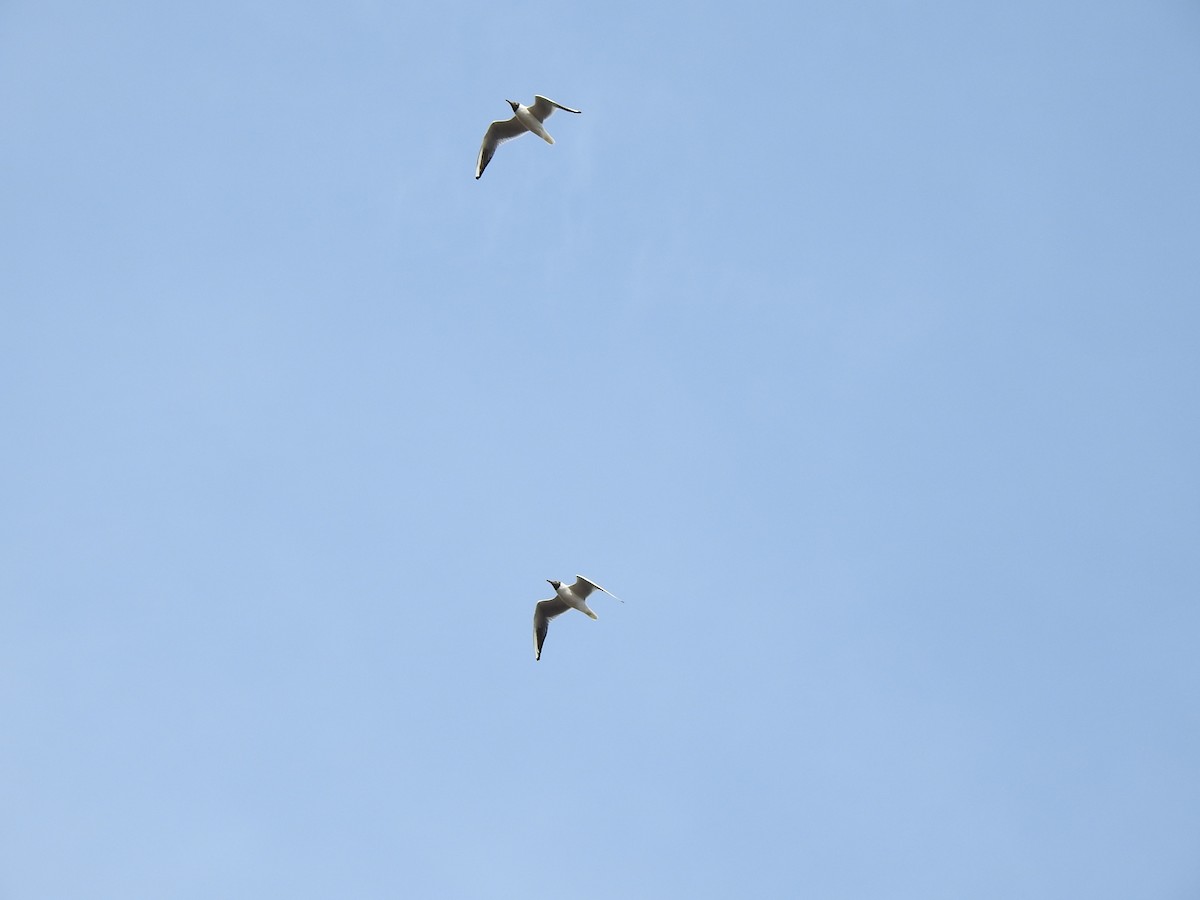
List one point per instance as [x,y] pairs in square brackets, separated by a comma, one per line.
[853,345]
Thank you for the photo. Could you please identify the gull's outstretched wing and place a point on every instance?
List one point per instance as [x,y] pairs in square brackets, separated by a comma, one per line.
[584,586]
[543,612]
[543,106]
[498,132]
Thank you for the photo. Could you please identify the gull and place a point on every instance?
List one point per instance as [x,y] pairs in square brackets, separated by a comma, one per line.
[573,597]
[526,118]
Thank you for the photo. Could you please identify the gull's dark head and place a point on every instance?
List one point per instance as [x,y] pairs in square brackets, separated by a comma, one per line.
[513,104]
[554,584]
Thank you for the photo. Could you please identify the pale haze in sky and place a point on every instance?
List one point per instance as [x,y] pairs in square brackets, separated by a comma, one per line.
[854,346]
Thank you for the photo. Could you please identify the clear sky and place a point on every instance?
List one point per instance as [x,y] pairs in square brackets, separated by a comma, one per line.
[855,346]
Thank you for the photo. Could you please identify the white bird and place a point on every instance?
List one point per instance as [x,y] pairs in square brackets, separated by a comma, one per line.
[573,597]
[526,118]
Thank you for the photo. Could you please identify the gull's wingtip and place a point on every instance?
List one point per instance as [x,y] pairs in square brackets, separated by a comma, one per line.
[597,587]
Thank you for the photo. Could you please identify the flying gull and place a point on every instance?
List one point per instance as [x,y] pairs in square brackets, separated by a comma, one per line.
[573,597]
[526,118]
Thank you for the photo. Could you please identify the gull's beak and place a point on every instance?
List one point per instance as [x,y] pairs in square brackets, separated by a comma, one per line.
[549,582]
